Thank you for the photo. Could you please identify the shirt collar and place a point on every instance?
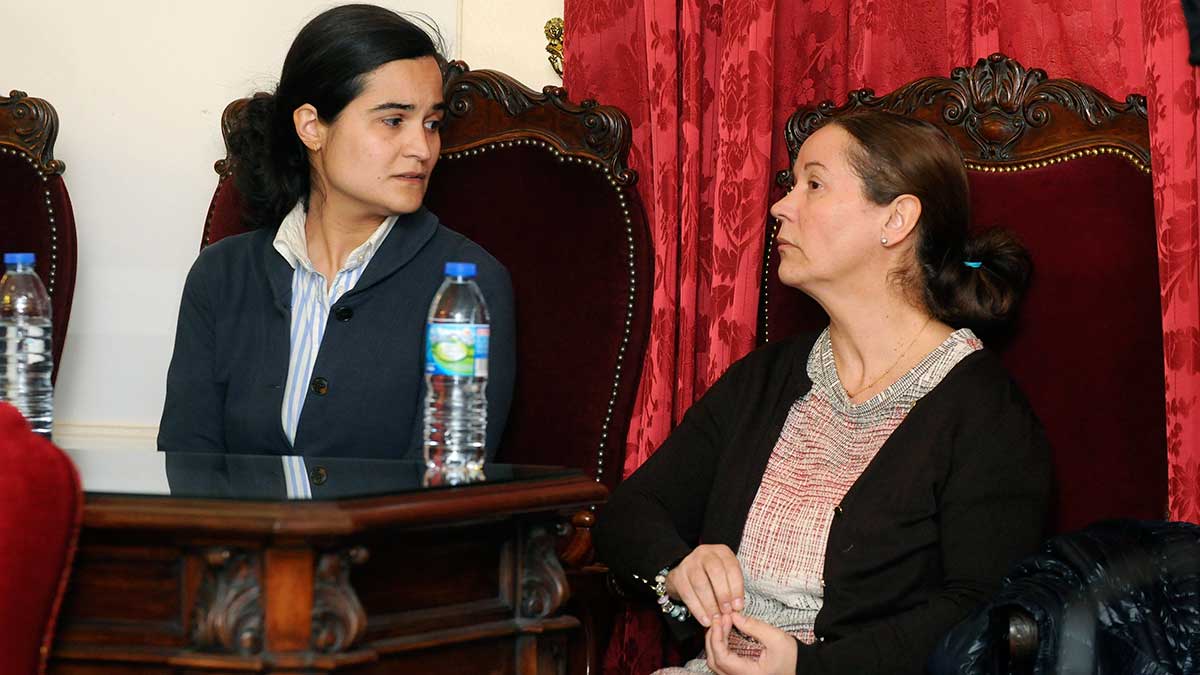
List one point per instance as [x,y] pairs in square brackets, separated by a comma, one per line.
[292,244]
[919,380]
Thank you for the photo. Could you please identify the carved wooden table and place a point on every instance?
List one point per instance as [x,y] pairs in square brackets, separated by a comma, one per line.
[228,575]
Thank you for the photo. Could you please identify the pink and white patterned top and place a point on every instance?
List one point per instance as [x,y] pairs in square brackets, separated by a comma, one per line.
[826,443]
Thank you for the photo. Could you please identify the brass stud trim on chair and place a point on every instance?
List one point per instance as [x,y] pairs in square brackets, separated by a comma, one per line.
[206,239]
[1058,159]
[563,157]
[47,199]
[766,276]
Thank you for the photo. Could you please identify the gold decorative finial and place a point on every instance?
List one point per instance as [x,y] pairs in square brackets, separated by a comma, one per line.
[554,33]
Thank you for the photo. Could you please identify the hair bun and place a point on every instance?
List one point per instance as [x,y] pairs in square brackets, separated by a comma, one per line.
[983,287]
[249,126]
[266,159]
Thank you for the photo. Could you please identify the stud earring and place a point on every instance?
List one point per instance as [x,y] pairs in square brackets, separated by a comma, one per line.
[883,240]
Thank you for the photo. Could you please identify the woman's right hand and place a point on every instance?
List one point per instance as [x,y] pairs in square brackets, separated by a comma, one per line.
[709,582]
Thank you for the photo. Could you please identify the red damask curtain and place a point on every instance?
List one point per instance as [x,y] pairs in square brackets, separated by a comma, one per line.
[708,86]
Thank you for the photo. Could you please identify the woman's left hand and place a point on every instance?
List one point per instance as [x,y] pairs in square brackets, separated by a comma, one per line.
[778,655]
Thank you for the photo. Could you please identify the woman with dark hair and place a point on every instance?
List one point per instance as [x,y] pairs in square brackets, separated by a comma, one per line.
[304,336]
[836,502]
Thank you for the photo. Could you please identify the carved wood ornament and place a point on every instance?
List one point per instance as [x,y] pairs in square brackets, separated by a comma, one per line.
[229,611]
[543,582]
[605,130]
[999,113]
[31,125]
[339,620]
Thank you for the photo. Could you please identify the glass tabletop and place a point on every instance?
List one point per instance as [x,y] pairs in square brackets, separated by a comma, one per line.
[278,478]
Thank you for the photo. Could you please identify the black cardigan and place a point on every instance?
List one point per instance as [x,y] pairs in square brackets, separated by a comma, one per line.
[956,495]
[226,382]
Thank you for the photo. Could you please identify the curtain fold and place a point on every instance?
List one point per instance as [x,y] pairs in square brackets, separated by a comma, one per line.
[708,86]
[1170,87]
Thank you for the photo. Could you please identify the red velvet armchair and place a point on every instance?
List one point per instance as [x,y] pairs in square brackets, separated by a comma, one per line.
[35,210]
[41,506]
[1068,170]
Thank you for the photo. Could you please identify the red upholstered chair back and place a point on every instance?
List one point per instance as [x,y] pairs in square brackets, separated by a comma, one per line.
[35,210]
[543,185]
[1067,169]
[41,507]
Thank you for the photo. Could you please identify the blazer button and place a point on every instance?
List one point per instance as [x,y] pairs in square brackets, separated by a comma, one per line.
[837,511]
[343,313]
[320,386]
[318,475]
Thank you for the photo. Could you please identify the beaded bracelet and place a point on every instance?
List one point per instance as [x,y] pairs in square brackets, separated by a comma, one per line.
[678,612]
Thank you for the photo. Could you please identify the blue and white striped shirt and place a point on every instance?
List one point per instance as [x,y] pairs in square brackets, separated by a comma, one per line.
[311,299]
[295,477]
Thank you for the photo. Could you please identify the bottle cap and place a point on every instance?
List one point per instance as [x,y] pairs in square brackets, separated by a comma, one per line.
[460,269]
[19,258]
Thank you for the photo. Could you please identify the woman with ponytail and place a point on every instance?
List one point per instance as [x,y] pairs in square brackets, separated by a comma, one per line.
[836,502]
[305,335]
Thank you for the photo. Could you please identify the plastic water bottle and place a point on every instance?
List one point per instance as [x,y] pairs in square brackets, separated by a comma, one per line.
[25,341]
[456,369]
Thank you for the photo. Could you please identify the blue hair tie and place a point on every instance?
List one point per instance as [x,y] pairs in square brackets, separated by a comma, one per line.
[975,264]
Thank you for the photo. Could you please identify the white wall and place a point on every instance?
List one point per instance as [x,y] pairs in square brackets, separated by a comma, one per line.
[508,36]
[139,86]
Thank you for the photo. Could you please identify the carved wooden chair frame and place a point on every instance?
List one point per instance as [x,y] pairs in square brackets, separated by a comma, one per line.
[28,129]
[595,136]
[223,166]
[999,113]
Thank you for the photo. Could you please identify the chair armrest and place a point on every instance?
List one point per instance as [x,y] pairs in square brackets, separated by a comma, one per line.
[575,543]
[1022,641]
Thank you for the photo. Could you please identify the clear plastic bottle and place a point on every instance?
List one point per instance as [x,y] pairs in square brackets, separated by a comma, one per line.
[25,342]
[456,369]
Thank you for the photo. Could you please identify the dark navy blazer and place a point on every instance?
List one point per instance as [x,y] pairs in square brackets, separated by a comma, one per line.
[226,382]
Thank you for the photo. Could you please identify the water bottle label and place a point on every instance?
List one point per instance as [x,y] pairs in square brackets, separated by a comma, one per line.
[459,349]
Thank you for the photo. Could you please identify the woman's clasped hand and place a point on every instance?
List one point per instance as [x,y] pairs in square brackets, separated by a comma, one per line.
[778,655]
[709,582]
